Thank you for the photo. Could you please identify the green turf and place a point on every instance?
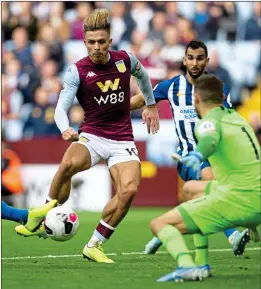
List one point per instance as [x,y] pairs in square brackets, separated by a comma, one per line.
[129,271]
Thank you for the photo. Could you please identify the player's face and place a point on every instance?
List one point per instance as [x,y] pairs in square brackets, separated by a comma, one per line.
[195,61]
[197,103]
[98,43]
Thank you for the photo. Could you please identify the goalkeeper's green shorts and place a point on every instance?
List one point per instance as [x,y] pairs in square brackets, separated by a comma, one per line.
[223,207]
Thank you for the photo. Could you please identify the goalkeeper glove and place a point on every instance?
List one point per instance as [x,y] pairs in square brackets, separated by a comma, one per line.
[193,159]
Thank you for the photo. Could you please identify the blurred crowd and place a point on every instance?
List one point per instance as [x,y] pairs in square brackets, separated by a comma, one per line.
[41,39]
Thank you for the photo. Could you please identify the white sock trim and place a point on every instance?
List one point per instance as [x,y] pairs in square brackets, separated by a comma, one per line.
[49,199]
[94,241]
[107,225]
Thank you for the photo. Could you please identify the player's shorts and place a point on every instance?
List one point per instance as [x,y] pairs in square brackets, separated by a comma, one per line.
[223,207]
[187,173]
[112,151]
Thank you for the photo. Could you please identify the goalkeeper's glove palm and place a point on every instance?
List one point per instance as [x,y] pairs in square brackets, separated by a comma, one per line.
[193,159]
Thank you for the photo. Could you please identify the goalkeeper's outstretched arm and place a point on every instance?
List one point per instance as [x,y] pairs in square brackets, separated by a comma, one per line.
[208,136]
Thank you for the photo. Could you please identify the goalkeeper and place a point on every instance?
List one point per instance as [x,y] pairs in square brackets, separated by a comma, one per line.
[228,142]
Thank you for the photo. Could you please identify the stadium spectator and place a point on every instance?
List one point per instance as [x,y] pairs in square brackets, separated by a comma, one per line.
[13,70]
[141,14]
[49,36]
[172,50]
[185,30]
[201,18]
[83,9]
[11,175]
[215,68]
[41,120]
[41,10]
[253,25]
[117,23]
[58,22]
[214,20]
[228,21]
[76,116]
[48,71]
[158,24]
[40,53]
[140,46]
[130,24]
[50,81]
[7,56]
[53,88]
[30,75]
[21,16]
[154,65]
[21,46]
[157,6]
[6,29]
[172,12]
[12,101]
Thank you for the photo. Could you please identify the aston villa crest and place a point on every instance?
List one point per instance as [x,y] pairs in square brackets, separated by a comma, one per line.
[120,66]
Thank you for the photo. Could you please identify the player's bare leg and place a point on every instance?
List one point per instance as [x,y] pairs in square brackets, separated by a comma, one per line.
[191,190]
[194,189]
[207,174]
[64,194]
[169,229]
[76,159]
[188,194]
[126,179]
[110,207]
[65,191]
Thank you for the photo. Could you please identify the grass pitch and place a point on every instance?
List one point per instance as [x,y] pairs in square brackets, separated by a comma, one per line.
[54,265]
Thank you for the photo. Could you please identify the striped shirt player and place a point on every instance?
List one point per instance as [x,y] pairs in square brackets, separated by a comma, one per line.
[179,92]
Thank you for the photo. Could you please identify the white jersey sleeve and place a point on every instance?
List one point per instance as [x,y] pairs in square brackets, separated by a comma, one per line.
[143,80]
[70,86]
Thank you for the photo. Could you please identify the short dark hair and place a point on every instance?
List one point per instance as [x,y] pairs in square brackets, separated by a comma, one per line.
[195,44]
[210,88]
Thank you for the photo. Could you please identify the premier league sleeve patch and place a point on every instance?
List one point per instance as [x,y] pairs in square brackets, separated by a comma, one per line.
[138,66]
[206,126]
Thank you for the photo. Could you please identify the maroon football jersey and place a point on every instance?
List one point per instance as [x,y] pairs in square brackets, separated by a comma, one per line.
[104,94]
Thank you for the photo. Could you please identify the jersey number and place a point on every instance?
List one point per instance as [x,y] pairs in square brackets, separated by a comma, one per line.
[132,151]
[251,141]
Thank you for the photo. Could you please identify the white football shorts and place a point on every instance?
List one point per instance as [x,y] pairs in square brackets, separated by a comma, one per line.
[112,151]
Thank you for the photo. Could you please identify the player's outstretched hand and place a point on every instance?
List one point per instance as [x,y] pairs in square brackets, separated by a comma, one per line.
[70,135]
[150,116]
[193,160]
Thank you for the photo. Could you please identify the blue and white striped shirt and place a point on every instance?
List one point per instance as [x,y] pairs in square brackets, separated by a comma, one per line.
[180,94]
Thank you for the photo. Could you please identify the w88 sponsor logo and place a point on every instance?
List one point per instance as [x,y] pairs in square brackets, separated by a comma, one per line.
[111,98]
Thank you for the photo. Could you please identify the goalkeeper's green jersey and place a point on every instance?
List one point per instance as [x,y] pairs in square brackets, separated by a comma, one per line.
[230,145]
